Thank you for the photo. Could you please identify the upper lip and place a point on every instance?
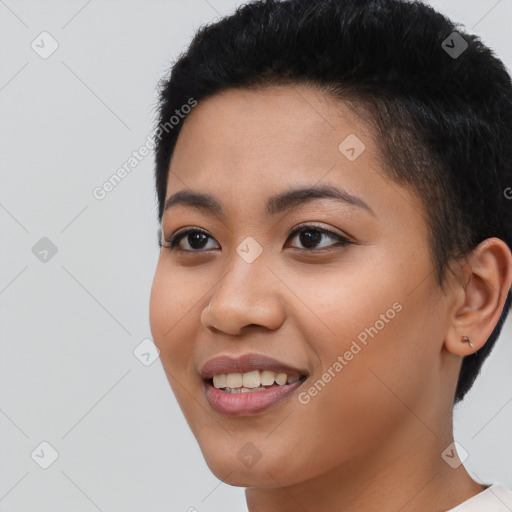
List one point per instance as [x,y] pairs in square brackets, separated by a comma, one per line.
[224,364]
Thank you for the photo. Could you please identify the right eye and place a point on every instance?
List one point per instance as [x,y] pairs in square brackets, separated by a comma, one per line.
[196,239]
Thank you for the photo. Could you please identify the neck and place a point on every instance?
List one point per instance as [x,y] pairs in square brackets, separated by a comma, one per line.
[405,476]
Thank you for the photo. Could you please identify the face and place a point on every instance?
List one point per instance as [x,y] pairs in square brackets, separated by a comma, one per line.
[339,287]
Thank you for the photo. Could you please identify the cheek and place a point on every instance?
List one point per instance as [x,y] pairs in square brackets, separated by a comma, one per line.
[171,314]
[361,331]
[345,304]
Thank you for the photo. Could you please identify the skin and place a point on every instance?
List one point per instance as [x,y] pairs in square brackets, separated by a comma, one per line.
[372,439]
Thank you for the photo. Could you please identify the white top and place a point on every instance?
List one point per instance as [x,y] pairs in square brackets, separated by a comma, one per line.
[495,498]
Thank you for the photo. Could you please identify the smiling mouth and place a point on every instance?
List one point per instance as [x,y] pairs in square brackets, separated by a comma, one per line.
[249,384]
[239,400]
[252,382]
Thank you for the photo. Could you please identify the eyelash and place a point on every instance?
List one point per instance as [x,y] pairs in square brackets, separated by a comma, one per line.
[174,240]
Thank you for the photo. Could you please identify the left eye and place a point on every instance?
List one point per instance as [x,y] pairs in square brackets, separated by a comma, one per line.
[309,236]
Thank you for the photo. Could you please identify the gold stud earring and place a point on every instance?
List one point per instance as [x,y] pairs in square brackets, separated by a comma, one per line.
[465,339]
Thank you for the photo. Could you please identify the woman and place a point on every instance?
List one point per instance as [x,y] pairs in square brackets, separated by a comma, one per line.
[335,259]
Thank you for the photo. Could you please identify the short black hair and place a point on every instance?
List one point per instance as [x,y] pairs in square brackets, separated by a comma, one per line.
[439,100]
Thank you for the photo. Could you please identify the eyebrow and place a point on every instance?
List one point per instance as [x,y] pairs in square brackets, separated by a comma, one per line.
[281,202]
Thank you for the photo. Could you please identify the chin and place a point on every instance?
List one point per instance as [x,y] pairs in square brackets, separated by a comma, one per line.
[228,465]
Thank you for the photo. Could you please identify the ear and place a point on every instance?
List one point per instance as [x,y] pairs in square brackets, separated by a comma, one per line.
[479,296]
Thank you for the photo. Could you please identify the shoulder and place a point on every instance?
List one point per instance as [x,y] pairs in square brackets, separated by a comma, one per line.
[496,498]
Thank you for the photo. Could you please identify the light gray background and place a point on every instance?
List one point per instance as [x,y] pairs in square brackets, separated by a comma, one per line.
[69,326]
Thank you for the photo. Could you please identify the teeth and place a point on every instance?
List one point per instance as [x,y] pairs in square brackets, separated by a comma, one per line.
[234,380]
[220,381]
[267,378]
[281,379]
[255,380]
[242,390]
[251,379]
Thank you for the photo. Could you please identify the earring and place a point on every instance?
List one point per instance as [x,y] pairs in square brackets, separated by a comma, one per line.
[465,339]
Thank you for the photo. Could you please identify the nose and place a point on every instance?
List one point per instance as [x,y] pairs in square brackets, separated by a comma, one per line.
[247,295]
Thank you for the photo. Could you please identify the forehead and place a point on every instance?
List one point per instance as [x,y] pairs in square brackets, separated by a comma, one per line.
[287,129]
[297,113]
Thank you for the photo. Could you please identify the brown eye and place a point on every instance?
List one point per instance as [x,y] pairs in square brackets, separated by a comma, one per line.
[310,236]
[195,238]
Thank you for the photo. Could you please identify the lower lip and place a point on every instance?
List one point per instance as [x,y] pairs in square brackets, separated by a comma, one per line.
[245,404]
